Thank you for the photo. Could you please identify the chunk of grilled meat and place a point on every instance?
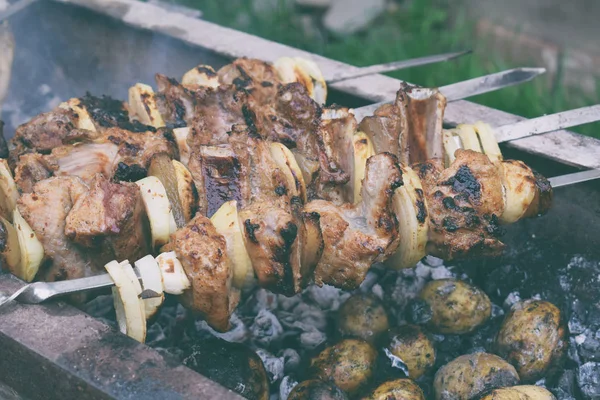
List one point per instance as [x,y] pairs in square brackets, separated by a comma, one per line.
[46,210]
[258,78]
[175,102]
[114,152]
[356,236]
[203,255]
[110,216]
[411,128]
[464,202]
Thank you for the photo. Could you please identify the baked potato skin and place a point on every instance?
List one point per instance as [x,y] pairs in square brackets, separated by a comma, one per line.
[532,338]
[414,347]
[362,316]
[456,306]
[316,390]
[399,389]
[470,375]
[348,364]
[524,392]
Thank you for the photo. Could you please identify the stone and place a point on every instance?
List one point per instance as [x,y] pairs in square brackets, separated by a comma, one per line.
[346,17]
[588,380]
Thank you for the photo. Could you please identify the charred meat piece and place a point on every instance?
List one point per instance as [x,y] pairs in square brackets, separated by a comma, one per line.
[356,236]
[107,112]
[111,216]
[465,202]
[175,102]
[115,153]
[258,78]
[46,210]
[203,255]
[411,128]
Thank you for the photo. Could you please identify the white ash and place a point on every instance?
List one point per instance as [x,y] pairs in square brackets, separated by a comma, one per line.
[589,380]
[266,328]
[326,297]
[265,300]
[237,334]
[286,386]
[512,299]
[497,311]
[312,339]
[291,359]
[274,365]
[377,291]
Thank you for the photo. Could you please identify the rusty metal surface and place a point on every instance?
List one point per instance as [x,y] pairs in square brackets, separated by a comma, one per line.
[55,351]
[562,146]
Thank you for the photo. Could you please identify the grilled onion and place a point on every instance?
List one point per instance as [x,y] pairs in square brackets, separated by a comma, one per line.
[8,191]
[363,149]
[175,281]
[9,246]
[32,251]
[285,160]
[226,222]
[143,107]
[411,211]
[181,135]
[488,141]
[306,72]
[202,75]
[129,307]
[84,121]
[187,190]
[158,209]
[519,185]
[162,167]
[468,137]
[452,143]
[152,279]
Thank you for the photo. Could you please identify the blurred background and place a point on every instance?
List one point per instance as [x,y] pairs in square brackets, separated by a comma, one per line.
[556,34]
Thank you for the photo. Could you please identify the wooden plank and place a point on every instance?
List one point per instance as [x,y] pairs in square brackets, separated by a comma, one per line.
[562,146]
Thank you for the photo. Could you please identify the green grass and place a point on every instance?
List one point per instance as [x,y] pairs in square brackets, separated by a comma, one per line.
[420,29]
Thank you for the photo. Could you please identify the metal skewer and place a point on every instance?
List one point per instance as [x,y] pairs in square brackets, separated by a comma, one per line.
[395,66]
[577,177]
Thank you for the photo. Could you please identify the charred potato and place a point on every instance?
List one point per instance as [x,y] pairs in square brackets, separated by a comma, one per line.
[232,365]
[532,338]
[469,376]
[362,316]
[348,364]
[456,306]
[399,389]
[524,392]
[316,390]
[414,347]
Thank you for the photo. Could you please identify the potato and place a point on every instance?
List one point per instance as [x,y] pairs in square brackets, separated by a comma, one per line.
[469,376]
[414,347]
[362,316]
[456,306]
[399,389]
[348,364]
[532,338]
[524,392]
[316,390]
[232,365]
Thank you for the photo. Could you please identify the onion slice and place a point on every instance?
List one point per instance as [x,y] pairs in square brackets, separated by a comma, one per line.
[285,160]
[518,181]
[181,135]
[411,211]
[175,280]
[468,137]
[10,249]
[488,141]
[129,308]
[452,142]
[363,150]
[8,191]
[84,120]
[226,222]
[202,75]
[32,251]
[306,72]
[158,209]
[143,107]
[161,166]
[152,280]
[186,189]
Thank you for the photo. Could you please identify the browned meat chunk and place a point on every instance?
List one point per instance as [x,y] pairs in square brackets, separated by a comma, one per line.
[46,131]
[175,102]
[107,112]
[109,216]
[46,210]
[356,236]
[411,128]
[32,168]
[465,202]
[258,78]
[203,254]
